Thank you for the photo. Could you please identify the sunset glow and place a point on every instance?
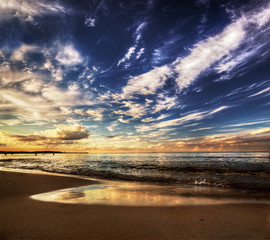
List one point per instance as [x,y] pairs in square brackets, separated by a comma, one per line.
[134,76]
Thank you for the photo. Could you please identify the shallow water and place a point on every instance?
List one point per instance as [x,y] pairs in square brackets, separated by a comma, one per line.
[138,194]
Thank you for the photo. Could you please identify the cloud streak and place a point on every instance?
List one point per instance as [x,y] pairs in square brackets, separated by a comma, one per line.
[241,141]
[147,83]
[203,55]
[63,134]
[127,56]
[208,52]
[191,117]
[28,9]
[61,66]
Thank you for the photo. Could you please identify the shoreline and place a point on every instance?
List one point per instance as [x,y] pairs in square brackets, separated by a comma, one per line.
[207,194]
[24,218]
[115,191]
[47,173]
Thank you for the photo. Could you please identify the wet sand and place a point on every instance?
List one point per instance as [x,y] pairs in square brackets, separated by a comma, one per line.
[24,218]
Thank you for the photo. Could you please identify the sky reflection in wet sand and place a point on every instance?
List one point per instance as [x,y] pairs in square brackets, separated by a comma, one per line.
[133,194]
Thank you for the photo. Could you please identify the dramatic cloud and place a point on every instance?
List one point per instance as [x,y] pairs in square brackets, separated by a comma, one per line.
[29,98]
[32,85]
[68,132]
[204,55]
[29,8]
[18,54]
[147,83]
[69,56]
[215,48]
[207,52]
[62,134]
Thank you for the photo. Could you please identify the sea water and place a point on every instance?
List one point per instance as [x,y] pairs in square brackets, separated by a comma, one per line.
[232,175]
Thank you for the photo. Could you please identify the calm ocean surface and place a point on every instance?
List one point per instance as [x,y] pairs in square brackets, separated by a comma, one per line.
[225,170]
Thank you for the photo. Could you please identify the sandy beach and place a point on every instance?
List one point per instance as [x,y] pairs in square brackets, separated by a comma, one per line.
[24,218]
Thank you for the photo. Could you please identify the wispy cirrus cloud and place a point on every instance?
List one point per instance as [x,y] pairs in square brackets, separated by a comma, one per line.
[166,51]
[165,103]
[236,36]
[52,73]
[266,90]
[139,30]
[248,123]
[147,83]
[127,56]
[28,9]
[112,126]
[10,122]
[219,49]
[134,110]
[151,119]
[191,117]
[137,35]
[249,90]
[140,53]
[206,53]
[95,114]
[201,129]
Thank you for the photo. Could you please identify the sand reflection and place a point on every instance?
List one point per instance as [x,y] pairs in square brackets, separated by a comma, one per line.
[133,194]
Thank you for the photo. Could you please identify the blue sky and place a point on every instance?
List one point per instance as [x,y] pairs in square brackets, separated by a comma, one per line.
[135,76]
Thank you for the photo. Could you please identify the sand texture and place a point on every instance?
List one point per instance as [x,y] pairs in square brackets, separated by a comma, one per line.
[24,218]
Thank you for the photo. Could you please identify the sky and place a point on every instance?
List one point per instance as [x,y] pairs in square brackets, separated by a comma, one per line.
[135,75]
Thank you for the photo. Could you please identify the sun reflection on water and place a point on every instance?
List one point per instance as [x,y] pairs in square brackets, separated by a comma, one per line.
[133,194]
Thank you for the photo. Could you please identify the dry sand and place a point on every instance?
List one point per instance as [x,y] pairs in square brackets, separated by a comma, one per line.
[25,218]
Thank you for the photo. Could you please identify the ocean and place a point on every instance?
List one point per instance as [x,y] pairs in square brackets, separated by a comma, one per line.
[247,171]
